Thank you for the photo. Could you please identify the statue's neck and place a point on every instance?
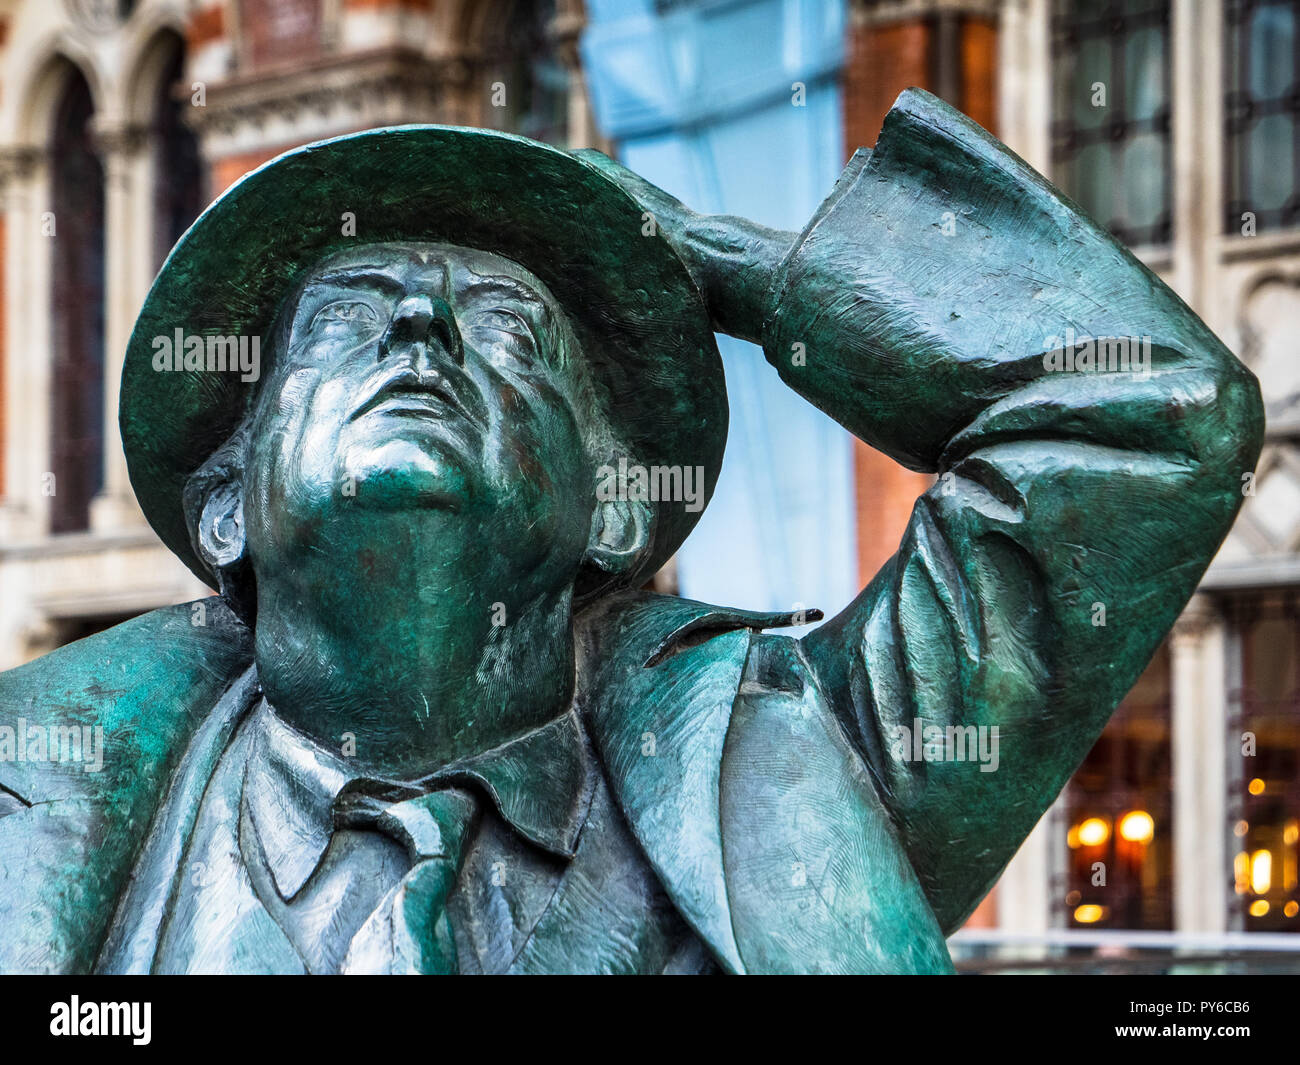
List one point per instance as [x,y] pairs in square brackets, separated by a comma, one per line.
[406,687]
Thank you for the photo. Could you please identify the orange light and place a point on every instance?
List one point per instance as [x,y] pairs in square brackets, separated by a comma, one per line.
[1261,873]
[1291,908]
[1241,872]
[1291,833]
[1259,908]
[1241,828]
[1094,832]
[1137,826]
[1089,913]
[1256,787]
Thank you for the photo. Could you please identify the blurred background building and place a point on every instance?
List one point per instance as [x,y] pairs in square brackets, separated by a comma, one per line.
[1174,122]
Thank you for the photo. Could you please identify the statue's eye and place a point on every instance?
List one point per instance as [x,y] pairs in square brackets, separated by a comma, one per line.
[503,321]
[508,333]
[346,312]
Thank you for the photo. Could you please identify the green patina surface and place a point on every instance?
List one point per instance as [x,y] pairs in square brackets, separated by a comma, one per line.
[770,784]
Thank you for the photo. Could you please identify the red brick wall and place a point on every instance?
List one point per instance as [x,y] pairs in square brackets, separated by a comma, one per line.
[979,75]
[883,60]
[205,25]
[279,32]
[389,5]
[225,172]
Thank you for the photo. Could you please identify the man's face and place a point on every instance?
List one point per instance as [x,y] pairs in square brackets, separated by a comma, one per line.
[420,381]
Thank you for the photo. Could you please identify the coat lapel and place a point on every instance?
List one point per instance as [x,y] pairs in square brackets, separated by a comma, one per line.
[750,805]
[659,704]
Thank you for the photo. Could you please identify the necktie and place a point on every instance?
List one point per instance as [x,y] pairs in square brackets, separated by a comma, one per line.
[409,931]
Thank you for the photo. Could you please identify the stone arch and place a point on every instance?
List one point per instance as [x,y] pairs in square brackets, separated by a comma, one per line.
[147,63]
[477,25]
[40,86]
[516,43]
[1269,302]
[157,123]
[464,24]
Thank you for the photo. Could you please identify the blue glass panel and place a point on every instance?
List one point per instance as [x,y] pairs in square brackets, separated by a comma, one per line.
[1270,147]
[1093,182]
[1144,164]
[1145,79]
[1091,66]
[699,101]
[1272,51]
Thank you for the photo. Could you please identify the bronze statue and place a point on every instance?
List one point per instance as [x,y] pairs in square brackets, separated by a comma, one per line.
[433,724]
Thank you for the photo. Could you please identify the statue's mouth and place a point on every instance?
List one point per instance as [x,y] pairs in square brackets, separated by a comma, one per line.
[409,392]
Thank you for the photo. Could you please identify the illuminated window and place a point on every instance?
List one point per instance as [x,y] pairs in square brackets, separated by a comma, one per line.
[1264,763]
[1110,121]
[1261,108]
[1119,836]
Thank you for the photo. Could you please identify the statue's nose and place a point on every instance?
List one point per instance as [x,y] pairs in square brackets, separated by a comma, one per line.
[422,320]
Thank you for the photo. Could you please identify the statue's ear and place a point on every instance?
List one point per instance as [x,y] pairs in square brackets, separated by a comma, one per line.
[620,530]
[213,501]
[221,539]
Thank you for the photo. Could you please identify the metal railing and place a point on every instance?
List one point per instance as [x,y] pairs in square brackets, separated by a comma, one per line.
[979,950]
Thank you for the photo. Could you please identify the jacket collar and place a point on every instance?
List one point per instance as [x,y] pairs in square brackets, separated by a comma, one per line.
[540,783]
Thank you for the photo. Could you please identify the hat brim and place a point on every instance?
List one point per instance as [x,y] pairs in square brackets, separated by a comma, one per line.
[639,319]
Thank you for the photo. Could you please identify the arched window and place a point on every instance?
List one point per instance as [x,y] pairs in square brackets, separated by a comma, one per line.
[178,192]
[76,310]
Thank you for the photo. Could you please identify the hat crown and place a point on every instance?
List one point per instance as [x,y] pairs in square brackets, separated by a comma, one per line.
[639,320]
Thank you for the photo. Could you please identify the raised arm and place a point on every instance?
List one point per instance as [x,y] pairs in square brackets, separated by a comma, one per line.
[1075,507]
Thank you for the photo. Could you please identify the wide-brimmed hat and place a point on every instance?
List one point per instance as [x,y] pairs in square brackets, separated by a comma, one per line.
[639,319]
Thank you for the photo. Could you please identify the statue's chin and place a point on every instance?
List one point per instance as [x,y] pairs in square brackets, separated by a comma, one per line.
[405,472]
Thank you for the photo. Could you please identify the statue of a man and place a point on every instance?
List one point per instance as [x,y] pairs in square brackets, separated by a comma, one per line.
[433,724]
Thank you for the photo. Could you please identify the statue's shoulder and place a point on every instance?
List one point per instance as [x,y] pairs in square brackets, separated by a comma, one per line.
[143,682]
[641,655]
[90,734]
[754,811]
[640,629]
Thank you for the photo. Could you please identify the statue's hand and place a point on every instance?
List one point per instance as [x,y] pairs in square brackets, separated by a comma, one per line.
[731,260]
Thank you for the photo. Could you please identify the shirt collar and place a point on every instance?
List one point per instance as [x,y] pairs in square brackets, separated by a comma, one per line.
[540,783]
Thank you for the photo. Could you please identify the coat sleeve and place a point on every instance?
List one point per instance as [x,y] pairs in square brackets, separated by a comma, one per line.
[939,306]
